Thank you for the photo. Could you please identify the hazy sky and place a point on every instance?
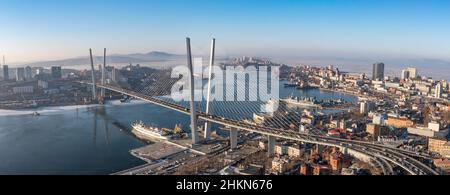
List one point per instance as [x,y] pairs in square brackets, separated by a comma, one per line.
[54,29]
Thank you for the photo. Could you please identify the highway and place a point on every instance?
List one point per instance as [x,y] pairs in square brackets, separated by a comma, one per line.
[384,156]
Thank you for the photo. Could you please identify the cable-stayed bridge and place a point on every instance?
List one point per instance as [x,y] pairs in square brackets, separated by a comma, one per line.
[232,113]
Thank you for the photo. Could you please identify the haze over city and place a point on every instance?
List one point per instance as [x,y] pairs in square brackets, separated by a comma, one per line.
[320,32]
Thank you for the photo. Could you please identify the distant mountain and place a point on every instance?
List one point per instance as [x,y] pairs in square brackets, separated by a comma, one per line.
[154,56]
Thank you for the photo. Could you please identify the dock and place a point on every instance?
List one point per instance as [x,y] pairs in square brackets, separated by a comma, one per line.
[168,155]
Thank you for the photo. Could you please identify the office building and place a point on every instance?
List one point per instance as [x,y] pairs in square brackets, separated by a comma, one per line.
[378,72]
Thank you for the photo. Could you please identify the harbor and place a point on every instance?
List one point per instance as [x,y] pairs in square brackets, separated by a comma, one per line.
[165,156]
[97,139]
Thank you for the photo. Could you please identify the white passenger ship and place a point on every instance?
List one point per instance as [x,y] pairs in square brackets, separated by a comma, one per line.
[152,133]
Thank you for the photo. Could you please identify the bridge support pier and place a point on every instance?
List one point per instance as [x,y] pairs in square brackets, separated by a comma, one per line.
[271,145]
[233,138]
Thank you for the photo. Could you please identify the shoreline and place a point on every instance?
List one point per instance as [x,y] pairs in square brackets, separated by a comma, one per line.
[337,91]
[55,109]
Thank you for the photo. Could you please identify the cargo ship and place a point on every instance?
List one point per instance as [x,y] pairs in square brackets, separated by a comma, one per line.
[151,133]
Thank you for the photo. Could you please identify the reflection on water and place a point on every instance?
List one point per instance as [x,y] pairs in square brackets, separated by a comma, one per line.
[80,141]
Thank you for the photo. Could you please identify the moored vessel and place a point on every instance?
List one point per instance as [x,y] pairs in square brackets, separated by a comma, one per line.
[301,102]
[148,132]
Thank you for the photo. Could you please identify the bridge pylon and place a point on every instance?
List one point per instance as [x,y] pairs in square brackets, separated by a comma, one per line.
[102,93]
[208,97]
[94,89]
[194,130]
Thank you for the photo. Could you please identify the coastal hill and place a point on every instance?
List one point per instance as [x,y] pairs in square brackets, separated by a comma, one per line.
[154,56]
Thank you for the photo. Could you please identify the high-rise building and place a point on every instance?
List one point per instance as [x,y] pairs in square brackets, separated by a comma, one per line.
[366,107]
[39,71]
[412,72]
[5,72]
[28,73]
[112,74]
[20,74]
[405,74]
[56,72]
[438,91]
[378,72]
[363,108]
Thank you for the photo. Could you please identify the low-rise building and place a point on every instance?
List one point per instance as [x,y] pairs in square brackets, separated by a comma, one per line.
[433,130]
[308,120]
[281,165]
[263,145]
[426,132]
[321,170]
[376,130]
[51,91]
[440,146]
[336,162]
[295,151]
[434,126]
[305,169]
[348,171]
[42,84]
[24,89]
[334,123]
[378,119]
[443,164]
[373,129]
[258,119]
[281,149]
[399,122]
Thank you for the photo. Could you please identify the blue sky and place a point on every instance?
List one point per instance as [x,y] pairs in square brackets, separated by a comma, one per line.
[54,29]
